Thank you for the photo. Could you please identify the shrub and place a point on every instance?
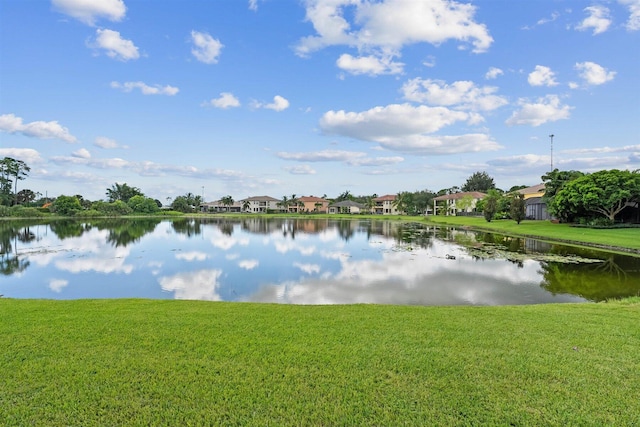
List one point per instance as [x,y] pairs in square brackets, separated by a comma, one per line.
[24,212]
[89,213]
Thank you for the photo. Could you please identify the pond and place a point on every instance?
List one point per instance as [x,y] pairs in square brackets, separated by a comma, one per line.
[301,261]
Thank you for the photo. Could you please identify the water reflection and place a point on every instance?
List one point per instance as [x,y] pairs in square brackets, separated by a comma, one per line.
[301,261]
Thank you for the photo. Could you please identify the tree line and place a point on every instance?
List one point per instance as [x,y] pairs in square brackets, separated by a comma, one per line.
[571,196]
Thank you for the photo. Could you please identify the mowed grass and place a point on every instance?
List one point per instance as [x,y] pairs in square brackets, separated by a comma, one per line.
[615,237]
[180,363]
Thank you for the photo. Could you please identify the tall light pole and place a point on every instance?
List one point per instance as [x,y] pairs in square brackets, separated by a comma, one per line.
[551,137]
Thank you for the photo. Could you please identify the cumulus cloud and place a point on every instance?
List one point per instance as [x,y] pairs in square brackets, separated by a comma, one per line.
[547,109]
[300,170]
[633,23]
[106,143]
[145,89]
[82,153]
[371,65]
[88,11]
[390,24]
[384,28]
[461,94]
[27,155]
[248,264]
[56,285]
[493,73]
[376,161]
[594,74]
[405,128]
[115,46]
[192,256]
[224,101]
[598,19]
[205,48]
[279,104]
[542,76]
[195,285]
[43,130]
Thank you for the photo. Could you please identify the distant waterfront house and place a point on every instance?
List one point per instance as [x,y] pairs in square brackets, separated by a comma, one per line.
[457,203]
[218,206]
[535,207]
[347,206]
[384,205]
[312,204]
[258,204]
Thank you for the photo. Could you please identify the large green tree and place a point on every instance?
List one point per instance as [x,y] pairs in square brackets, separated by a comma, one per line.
[122,192]
[11,171]
[604,193]
[554,181]
[479,181]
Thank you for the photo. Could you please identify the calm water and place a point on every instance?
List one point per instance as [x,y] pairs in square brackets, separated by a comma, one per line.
[300,262]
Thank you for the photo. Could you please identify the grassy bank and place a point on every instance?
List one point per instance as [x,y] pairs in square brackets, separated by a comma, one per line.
[139,362]
[617,238]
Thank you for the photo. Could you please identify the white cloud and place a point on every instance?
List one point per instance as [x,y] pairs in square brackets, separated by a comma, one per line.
[322,156]
[379,30]
[493,73]
[594,74]
[598,19]
[376,161]
[56,285]
[195,285]
[371,65]
[547,109]
[192,256]
[461,94]
[206,49]
[43,130]
[600,150]
[115,46]
[248,264]
[404,128]
[279,104]
[354,158]
[389,25]
[88,11]
[27,155]
[633,23]
[146,89]
[395,120]
[542,76]
[226,100]
[300,170]
[106,143]
[253,5]
[82,153]
[307,268]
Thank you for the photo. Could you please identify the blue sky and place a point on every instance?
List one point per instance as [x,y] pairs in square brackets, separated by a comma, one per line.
[279,97]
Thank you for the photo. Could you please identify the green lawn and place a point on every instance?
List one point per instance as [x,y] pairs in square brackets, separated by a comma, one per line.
[179,363]
[618,237]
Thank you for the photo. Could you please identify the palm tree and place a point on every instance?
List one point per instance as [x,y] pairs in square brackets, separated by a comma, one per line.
[246,205]
[227,201]
[284,203]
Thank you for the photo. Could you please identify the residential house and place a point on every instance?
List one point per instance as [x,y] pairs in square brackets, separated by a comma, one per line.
[218,206]
[260,204]
[458,203]
[310,204]
[346,206]
[535,207]
[384,205]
